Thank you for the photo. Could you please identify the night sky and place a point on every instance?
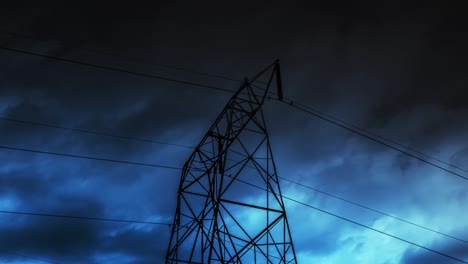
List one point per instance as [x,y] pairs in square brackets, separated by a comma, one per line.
[398,72]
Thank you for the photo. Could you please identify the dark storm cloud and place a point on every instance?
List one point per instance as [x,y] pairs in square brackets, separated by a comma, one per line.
[26,185]
[400,72]
[72,242]
[139,243]
[51,236]
[57,240]
[82,241]
[460,157]
[457,250]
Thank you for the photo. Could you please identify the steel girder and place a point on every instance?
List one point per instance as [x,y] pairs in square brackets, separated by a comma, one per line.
[229,203]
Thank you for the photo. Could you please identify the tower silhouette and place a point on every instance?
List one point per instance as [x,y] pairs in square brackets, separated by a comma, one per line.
[229,203]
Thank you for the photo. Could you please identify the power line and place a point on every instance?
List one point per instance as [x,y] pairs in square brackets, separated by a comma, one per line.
[373,210]
[133,59]
[250,184]
[178,168]
[373,139]
[138,60]
[191,147]
[297,183]
[211,87]
[373,229]
[90,158]
[381,137]
[300,108]
[117,69]
[314,189]
[29,257]
[356,223]
[291,103]
[152,165]
[91,132]
[17,35]
[85,218]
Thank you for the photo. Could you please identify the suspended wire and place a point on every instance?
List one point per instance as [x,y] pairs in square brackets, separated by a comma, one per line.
[236,80]
[250,184]
[116,69]
[297,183]
[302,107]
[133,59]
[373,139]
[354,222]
[191,147]
[85,218]
[373,229]
[373,210]
[29,257]
[378,136]
[92,132]
[291,103]
[285,197]
[178,168]
[113,54]
[89,158]
[186,146]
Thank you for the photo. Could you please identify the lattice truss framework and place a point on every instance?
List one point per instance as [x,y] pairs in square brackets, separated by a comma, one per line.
[229,207]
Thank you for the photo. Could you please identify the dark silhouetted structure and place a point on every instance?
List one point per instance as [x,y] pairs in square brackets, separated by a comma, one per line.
[229,203]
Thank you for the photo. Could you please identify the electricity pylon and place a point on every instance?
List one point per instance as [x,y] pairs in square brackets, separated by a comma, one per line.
[229,203]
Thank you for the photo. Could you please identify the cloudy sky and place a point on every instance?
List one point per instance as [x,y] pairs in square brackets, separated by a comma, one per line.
[400,73]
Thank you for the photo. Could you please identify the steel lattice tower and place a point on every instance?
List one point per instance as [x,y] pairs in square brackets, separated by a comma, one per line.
[229,203]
